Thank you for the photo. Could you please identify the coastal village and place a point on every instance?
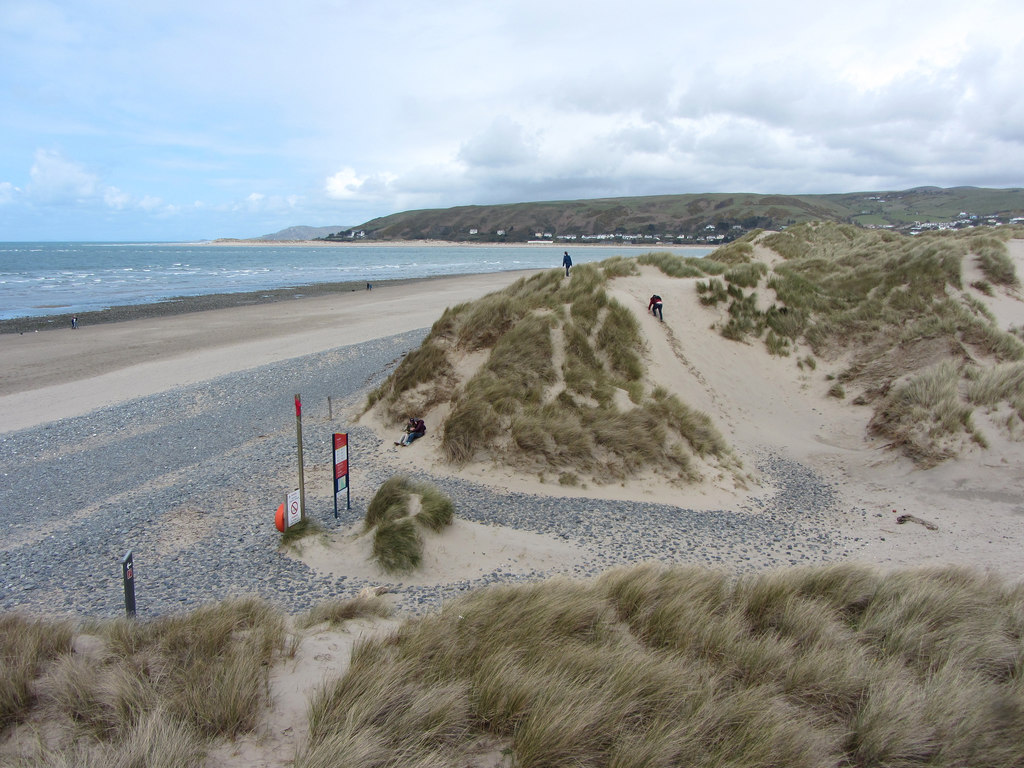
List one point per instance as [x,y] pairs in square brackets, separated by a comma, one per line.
[715,234]
[690,219]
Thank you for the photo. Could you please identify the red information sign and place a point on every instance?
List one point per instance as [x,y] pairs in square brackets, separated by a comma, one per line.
[341,469]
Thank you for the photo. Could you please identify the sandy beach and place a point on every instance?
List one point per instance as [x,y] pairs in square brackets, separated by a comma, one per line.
[58,373]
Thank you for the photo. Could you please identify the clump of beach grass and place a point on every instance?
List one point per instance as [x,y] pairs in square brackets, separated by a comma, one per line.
[337,612]
[673,265]
[303,529]
[27,645]
[651,665]
[994,261]
[397,514]
[517,409]
[153,693]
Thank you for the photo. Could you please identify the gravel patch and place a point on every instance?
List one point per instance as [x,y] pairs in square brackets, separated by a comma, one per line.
[189,480]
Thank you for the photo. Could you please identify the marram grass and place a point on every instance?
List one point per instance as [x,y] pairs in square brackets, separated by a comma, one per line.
[153,693]
[398,515]
[659,666]
[518,410]
[885,300]
[650,665]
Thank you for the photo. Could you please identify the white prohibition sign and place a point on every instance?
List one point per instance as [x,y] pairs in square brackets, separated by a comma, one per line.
[294,508]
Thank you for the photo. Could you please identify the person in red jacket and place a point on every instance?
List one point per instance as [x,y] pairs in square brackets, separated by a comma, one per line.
[654,306]
[413,430]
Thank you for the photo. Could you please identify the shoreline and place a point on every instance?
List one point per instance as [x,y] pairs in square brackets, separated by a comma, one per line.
[143,349]
[204,302]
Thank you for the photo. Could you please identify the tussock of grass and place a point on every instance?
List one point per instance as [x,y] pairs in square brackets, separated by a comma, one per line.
[737,252]
[923,414]
[617,339]
[393,494]
[301,530]
[746,275]
[26,645]
[712,292]
[159,741]
[398,545]
[153,693]
[776,344]
[995,261]
[436,510]
[673,265]
[340,611]
[682,666]
[984,286]
[397,538]
[998,385]
[619,266]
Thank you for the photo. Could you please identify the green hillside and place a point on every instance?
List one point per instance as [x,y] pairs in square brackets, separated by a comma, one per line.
[695,217]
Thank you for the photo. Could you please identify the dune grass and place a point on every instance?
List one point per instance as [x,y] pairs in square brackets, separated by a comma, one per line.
[885,299]
[658,666]
[337,612]
[305,528]
[649,665]
[999,384]
[152,693]
[398,514]
[925,416]
[519,410]
[26,646]
[673,265]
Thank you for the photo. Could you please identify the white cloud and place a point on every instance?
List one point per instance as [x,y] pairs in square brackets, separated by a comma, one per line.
[7,192]
[55,180]
[260,203]
[115,198]
[343,185]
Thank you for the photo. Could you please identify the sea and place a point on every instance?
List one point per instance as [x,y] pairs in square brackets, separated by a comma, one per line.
[50,278]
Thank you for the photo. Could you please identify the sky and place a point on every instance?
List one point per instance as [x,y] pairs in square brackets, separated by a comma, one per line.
[123,120]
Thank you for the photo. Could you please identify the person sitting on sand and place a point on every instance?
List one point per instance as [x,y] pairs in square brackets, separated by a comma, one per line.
[654,306]
[414,429]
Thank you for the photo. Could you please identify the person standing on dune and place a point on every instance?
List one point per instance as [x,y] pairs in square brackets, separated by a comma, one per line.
[567,263]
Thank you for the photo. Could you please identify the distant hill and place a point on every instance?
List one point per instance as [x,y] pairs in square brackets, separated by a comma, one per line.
[696,217]
[303,233]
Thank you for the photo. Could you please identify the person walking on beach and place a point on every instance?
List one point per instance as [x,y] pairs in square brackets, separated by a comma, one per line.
[566,262]
[654,307]
[74,322]
[415,429]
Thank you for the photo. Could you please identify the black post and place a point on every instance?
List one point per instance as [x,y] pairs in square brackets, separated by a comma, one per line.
[128,576]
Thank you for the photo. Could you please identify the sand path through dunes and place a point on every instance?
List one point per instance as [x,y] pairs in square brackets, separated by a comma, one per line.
[752,396]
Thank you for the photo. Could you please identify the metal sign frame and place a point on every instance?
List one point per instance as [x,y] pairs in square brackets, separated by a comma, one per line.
[341,470]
